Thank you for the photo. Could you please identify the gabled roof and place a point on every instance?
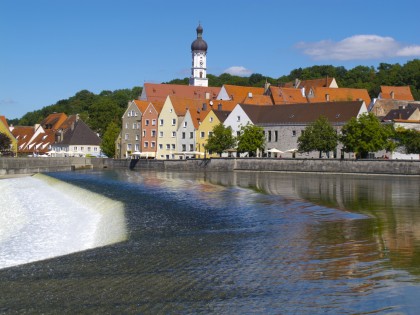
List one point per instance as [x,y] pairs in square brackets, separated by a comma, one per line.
[80,134]
[284,95]
[307,84]
[383,106]
[322,94]
[53,121]
[240,93]
[4,121]
[336,112]
[221,114]
[23,135]
[402,93]
[43,140]
[141,105]
[158,92]
[258,100]
[402,113]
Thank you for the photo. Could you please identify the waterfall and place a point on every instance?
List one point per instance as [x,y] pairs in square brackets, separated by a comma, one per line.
[42,217]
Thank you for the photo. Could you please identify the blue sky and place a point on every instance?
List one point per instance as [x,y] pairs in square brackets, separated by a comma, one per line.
[51,49]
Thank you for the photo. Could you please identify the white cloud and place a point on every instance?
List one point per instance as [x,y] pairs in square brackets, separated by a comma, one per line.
[359,47]
[7,101]
[239,71]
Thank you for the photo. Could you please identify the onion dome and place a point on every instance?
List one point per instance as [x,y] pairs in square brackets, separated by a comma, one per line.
[199,43]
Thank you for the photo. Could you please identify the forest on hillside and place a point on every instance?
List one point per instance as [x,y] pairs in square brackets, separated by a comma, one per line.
[99,110]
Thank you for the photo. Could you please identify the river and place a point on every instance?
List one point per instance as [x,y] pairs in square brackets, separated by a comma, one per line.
[220,243]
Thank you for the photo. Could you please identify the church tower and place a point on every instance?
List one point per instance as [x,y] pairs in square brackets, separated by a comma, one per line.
[199,62]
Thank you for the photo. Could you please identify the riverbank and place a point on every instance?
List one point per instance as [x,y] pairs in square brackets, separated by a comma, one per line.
[22,166]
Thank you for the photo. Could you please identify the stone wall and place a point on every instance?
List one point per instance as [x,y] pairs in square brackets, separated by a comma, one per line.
[11,166]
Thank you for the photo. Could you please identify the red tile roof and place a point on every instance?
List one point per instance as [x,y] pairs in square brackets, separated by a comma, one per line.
[54,121]
[258,100]
[240,93]
[402,93]
[4,121]
[307,84]
[322,94]
[158,92]
[284,95]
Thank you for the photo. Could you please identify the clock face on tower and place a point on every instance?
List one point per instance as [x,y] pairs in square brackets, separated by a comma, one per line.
[201,63]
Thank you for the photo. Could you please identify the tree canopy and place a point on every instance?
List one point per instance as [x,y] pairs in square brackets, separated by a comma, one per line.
[318,136]
[220,139]
[251,139]
[409,139]
[108,140]
[5,143]
[366,134]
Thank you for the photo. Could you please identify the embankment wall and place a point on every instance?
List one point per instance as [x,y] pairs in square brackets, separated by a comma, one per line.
[12,166]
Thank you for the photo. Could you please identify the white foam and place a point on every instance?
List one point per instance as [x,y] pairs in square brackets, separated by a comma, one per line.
[42,217]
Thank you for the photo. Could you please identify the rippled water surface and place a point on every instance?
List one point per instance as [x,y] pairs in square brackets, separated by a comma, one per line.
[237,243]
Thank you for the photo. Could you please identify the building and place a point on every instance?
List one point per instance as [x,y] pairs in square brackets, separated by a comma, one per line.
[4,128]
[131,128]
[77,140]
[199,60]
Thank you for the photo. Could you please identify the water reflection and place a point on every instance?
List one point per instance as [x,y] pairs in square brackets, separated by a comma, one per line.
[229,243]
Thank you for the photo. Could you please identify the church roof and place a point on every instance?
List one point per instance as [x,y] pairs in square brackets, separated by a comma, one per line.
[199,43]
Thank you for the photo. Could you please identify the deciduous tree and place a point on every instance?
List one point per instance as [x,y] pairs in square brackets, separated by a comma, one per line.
[318,136]
[251,139]
[366,134]
[220,139]
[4,142]
[109,138]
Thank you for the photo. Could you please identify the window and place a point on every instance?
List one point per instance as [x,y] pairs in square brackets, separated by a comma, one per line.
[161,122]
[153,133]
[294,133]
[126,136]
[185,124]
[138,125]
[238,133]
[160,146]
[184,148]
[126,125]
[137,137]
[154,122]
[160,134]
[128,147]
[173,146]
[191,135]
[146,144]
[202,134]
[75,148]
[136,147]
[144,132]
[135,114]
[147,122]
[173,134]
[173,121]
[276,136]
[183,135]
[211,119]
[191,147]
[238,118]
[269,136]
[134,125]
[95,149]
[152,144]
[210,133]
[168,146]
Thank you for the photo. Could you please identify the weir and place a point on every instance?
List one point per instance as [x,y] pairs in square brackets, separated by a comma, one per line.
[42,217]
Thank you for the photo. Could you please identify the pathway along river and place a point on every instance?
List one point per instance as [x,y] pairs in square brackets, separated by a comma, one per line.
[235,243]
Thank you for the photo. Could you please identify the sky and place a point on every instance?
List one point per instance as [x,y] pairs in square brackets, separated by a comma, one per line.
[52,49]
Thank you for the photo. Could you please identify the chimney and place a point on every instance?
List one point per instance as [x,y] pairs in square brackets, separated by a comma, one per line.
[250,94]
[219,106]
[266,86]
[231,97]
[303,92]
[392,94]
[327,97]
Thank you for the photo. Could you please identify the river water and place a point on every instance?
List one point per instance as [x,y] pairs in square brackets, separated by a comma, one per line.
[219,243]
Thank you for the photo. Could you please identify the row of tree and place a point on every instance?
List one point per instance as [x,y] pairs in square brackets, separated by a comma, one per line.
[359,135]
[361,77]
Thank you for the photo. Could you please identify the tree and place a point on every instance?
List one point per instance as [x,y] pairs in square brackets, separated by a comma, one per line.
[409,139]
[251,139]
[109,138]
[220,139]
[318,136]
[4,142]
[102,112]
[366,134]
